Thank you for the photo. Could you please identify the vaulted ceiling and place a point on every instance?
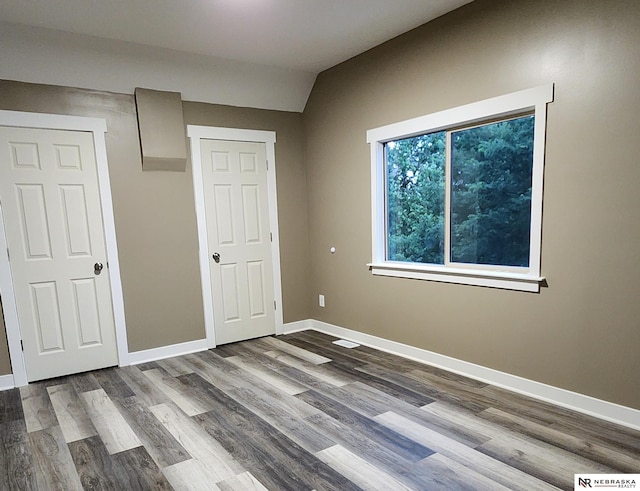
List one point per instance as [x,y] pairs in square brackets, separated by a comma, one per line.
[290,41]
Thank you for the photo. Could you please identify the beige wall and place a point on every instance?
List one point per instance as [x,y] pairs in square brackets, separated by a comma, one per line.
[155,213]
[582,333]
[291,187]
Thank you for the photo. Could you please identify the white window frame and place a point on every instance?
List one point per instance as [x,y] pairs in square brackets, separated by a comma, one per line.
[533,100]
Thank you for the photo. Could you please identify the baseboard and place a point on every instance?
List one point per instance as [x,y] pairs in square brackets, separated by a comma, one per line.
[170,351]
[6,382]
[598,408]
[297,326]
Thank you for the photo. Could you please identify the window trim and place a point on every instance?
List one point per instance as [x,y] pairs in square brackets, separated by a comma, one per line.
[533,100]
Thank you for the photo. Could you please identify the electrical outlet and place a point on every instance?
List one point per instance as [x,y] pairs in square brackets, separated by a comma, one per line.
[321,300]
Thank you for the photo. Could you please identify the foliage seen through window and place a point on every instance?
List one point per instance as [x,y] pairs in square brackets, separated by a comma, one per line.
[488,211]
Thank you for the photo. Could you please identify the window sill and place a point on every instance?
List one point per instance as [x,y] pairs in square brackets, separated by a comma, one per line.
[491,279]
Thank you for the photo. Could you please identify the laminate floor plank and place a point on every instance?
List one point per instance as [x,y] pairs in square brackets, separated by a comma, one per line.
[418,386]
[354,400]
[135,469]
[338,354]
[389,387]
[362,352]
[37,408]
[18,468]
[292,374]
[459,433]
[219,464]
[359,471]
[82,382]
[285,414]
[349,356]
[296,412]
[56,470]
[448,385]
[543,461]
[438,472]
[176,392]
[321,372]
[175,366]
[94,465]
[361,445]
[241,482]
[279,381]
[155,438]
[404,447]
[567,420]
[303,354]
[450,376]
[113,429]
[10,406]
[149,365]
[268,454]
[142,386]
[231,349]
[466,456]
[292,424]
[233,382]
[477,398]
[74,421]
[622,462]
[111,382]
[214,364]
[272,458]
[189,475]
[546,462]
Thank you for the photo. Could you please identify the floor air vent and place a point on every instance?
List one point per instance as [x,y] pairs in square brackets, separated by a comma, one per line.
[346,344]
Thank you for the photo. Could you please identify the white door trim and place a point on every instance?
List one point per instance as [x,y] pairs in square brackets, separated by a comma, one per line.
[195,134]
[98,128]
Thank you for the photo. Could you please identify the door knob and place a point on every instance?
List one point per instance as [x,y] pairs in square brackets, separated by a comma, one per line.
[216,257]
[97,268]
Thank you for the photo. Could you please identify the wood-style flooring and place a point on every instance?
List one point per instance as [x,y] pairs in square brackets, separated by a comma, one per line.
[295,412]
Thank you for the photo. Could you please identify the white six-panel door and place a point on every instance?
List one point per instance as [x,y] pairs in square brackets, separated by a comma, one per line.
[239,239]
[53,226]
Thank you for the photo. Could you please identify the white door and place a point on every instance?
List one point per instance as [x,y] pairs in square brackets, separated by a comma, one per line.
[239,238]
[54,229]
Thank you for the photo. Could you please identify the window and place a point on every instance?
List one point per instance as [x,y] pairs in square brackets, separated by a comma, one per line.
[457,195]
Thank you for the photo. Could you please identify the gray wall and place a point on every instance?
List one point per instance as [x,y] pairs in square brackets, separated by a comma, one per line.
[582,333]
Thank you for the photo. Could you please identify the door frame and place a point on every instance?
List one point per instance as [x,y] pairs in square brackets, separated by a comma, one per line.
[196,134]
[97,127]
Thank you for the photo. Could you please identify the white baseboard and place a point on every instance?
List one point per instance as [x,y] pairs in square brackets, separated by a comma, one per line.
[598,408]
[297,326]
[170,351]
[6,382]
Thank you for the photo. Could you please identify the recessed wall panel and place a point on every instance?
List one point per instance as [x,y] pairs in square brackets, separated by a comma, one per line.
[250,200]
[46,316]
[230,293]
[74,208]
[224,214]
[33,217]
[87,318]
[255,277]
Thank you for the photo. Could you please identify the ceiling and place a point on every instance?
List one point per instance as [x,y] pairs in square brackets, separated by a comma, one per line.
[302,35]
